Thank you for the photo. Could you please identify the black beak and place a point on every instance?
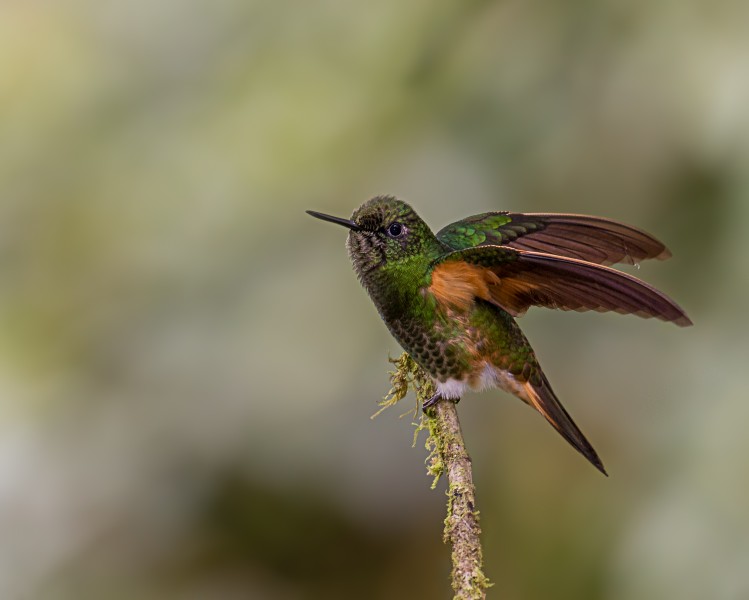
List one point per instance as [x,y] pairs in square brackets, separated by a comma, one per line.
[345,222]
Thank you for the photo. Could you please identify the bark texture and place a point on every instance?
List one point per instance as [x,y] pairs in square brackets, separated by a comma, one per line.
[462,528]
[448,455]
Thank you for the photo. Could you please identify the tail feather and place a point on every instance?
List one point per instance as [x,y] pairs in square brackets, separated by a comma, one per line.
[542,398]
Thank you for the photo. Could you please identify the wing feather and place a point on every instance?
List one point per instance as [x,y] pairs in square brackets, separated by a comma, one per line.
[593,239]
[517,279]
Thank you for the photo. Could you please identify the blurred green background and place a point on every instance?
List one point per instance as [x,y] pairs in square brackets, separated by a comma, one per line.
[188,364]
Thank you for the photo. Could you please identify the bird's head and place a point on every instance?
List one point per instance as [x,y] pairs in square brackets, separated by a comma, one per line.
[385,231]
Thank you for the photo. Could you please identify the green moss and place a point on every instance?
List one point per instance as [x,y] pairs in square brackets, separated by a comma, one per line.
[401,378]
[435,446]
[446,450]
[407,374]
[460,507]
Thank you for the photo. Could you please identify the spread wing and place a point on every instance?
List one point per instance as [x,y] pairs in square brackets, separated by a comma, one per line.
[517,279]
[593,239]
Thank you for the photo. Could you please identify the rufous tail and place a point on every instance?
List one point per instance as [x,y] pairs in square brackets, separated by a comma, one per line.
[542,398]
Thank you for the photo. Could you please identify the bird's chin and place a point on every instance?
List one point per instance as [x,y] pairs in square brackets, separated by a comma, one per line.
[365,251]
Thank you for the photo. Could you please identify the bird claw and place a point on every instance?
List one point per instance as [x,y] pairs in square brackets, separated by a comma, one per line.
[433,400]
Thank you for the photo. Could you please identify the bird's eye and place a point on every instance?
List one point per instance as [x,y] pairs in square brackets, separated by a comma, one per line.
[396,230]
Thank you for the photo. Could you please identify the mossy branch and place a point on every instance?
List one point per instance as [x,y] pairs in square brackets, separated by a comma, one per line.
[447,454]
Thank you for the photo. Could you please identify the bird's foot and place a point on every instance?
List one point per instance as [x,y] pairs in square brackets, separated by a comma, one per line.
[431,401]
[434,399]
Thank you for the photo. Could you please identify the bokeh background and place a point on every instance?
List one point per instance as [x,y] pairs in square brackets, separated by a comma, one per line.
[188,364]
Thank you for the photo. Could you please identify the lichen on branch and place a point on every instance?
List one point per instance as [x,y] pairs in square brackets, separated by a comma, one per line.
[447,454]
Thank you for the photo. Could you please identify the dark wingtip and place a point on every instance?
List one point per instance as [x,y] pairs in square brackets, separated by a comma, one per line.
[664,255]
[677,314]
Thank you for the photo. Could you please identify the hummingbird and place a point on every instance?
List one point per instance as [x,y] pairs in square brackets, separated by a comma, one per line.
[451,299]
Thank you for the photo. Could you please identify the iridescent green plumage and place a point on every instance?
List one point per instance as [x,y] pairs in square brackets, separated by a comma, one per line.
[449,299]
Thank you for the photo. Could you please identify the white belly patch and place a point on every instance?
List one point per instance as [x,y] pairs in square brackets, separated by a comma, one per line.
[489,377]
